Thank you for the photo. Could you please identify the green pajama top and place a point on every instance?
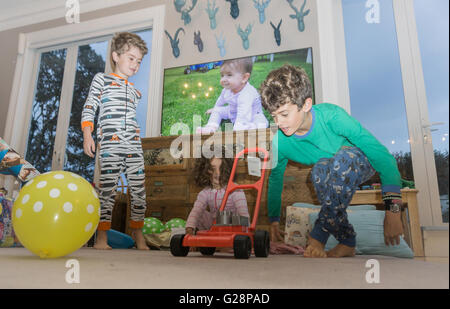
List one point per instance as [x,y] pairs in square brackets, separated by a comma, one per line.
[332,128]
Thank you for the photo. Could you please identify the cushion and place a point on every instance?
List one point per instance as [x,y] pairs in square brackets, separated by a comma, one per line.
[7,235]
[297,221]
[297,225]
[356,207]
[118,240]
[369,228]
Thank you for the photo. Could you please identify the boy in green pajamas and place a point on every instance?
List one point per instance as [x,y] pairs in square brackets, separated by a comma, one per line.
[344,155]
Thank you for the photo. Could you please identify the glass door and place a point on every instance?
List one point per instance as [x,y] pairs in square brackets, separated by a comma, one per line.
[90,61]
[45,110]
[432,21]
[141,81]
[55,140]
[387,94]
[375,80]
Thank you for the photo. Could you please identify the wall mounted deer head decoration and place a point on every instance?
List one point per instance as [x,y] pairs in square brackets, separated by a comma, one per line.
[234,10]
[261,7]
[179,7]
[221,44]
[244,35]
[277,32]
[299,15]
[174,42]
[212,11]
[198,41]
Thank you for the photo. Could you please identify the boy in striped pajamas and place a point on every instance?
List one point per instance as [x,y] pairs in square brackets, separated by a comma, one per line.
[120,147]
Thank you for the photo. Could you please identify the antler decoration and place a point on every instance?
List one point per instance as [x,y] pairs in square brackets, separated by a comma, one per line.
[174,42]
[277,32]
[221,44]
[212,11]
[179,5]
[261,6]
[234,10]
[244,35]
[299,15]
[198,41]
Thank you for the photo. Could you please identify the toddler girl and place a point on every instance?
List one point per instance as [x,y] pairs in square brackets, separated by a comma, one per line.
[213,175]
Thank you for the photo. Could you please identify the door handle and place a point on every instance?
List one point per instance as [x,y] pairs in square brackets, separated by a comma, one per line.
[432,125]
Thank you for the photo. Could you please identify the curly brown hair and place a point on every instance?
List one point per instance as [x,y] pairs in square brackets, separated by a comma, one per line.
[123,41]
[288,84]
[202,172]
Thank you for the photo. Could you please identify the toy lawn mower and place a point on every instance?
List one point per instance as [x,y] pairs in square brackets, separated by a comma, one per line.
[230,230]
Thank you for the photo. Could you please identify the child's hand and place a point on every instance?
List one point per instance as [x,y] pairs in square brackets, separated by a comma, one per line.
[275,234]
[89,146]
[209,111]
[393,228]
[190,231]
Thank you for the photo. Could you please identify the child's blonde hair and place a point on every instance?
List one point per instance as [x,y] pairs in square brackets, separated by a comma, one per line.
[123,41]
[243,65]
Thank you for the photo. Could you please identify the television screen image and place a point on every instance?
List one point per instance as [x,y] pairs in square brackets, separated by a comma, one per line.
[190,91]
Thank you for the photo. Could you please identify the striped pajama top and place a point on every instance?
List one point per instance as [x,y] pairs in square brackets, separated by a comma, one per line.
[116,99]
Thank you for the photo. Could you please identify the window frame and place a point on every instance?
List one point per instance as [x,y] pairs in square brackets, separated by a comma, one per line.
[32,44]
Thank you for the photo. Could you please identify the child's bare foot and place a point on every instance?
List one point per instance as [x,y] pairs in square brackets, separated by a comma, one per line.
[139,239]
[102,241]
[315,249]
[341,251]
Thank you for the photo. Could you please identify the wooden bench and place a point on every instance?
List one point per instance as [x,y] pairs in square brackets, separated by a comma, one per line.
[410,217]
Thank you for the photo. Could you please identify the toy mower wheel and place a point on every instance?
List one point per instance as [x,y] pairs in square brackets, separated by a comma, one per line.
[207,250]
[176,246]
[242,246]
[262,243]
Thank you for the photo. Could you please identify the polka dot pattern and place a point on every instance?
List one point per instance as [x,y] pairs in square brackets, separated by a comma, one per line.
[90,208]
[37,207]
[68,207]
[25,199]
[88,227]
[153,226]
[54,193]
[72,187]
[175,223]
[55,213]
[41,184]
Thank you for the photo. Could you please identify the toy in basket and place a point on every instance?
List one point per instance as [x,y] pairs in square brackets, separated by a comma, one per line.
[230,230]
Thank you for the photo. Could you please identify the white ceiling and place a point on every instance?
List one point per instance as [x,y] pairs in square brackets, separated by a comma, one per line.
[19,13]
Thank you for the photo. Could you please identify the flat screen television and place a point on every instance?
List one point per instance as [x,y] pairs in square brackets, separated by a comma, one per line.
[189,91]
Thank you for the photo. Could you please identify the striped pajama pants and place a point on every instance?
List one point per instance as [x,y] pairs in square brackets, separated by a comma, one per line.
[117,158]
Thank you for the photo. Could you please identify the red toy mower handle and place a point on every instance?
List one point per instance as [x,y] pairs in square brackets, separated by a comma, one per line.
[258,185]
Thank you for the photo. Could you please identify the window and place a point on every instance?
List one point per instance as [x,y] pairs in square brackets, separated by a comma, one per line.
[47,116]
[375,79]
[91,60]
[44,114]
[432,29]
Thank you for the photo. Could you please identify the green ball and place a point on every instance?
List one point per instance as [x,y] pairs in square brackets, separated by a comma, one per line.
[152,226]
[175,222]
